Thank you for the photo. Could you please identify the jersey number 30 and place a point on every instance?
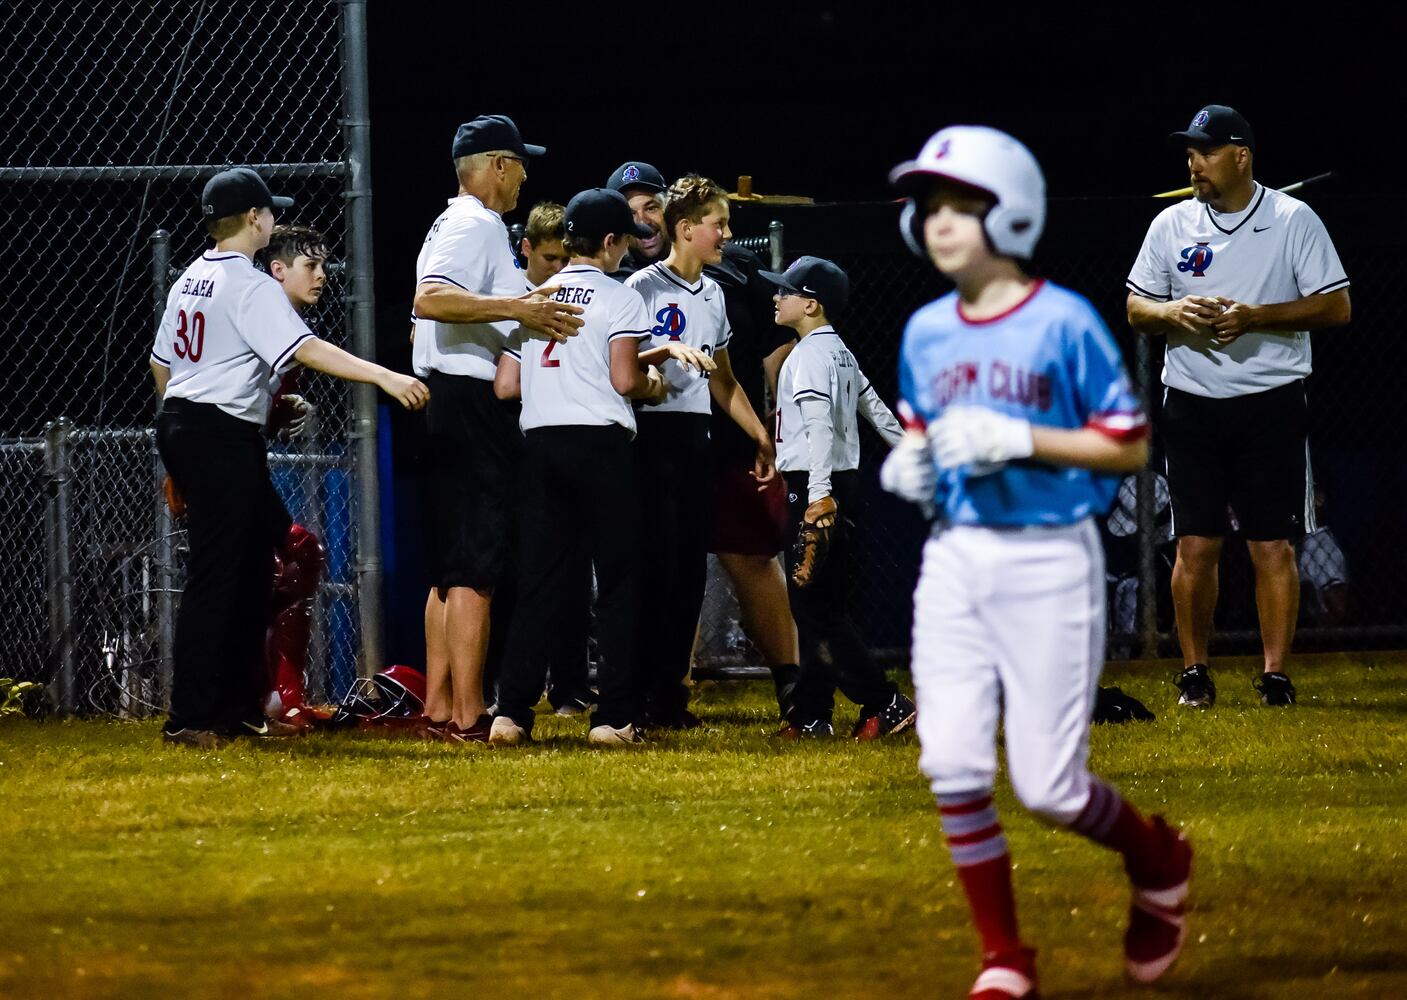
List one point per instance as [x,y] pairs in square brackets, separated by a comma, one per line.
[190,335]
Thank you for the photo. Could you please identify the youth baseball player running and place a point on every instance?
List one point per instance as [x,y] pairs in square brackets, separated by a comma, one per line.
[579,423]
[685,306]
[225,327]
[820,391]
[1236,278]
[1030,420]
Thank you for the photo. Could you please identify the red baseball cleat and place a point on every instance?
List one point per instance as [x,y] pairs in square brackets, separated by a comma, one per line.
[1007,976]
[1157,915]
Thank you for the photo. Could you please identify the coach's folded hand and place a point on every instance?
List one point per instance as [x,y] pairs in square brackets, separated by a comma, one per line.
[978,437]
[543,314]
[691,357]
[1193,313]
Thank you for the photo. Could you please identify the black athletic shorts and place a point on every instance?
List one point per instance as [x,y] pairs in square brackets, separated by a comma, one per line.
[1246,453]
[471,451]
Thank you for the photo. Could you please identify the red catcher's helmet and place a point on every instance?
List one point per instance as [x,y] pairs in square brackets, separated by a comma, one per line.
[398,692]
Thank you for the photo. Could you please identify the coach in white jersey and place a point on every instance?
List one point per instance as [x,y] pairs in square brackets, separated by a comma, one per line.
[579,424]
[821,392]
[469,298]
[1236,278]
[226,328]
[685,306]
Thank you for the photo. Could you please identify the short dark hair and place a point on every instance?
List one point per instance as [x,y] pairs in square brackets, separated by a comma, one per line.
[579,245]
[290,242]
[690,198]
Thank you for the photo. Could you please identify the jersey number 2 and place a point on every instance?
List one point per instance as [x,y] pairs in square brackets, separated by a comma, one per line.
[190,335]
[548,361]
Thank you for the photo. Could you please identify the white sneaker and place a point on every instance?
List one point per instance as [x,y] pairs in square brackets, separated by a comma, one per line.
[609,735]
[506,733]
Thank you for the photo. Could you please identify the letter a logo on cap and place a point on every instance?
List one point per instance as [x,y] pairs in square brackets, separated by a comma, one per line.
[632,173]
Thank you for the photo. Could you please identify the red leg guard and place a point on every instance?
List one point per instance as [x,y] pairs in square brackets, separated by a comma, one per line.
[298,563]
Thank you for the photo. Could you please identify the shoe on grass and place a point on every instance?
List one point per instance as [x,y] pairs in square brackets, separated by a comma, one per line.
[577,704]
[267,729]
[504,732]
[886,720]
[604,735]
[1196,686]
[1275,689]
[1007,976]
[816,729]
[201,739]
[1157,915]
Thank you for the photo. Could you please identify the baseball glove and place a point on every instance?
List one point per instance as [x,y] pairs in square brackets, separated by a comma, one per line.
[174,501]
[813,541]
[1112,705]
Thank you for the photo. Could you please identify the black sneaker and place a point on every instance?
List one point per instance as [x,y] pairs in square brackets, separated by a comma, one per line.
[1275,689]
[678,720]
[201,739]
[1196,686]
[817,729]
[267,729]
[896,716]
[578,704]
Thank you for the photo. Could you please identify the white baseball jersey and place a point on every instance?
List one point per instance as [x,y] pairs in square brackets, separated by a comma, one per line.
[466,247]
[821,372]
[569,384]
[691,314]
[227,333]
[1275,250]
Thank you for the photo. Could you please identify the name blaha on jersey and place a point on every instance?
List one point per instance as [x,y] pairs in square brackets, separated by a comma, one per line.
[201,288]
[960,382]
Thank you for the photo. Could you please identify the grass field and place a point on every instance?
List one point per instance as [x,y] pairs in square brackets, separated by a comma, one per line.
[711,864]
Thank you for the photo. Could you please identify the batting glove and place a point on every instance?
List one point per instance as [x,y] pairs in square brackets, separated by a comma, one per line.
[908,470]
[979,437]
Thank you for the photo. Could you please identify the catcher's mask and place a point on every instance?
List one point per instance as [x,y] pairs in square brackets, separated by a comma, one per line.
[398,692]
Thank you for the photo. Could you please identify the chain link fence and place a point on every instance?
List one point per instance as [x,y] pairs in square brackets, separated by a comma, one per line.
[1353,570]
[114,116]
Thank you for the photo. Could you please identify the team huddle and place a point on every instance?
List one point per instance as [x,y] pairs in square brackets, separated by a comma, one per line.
[594,429]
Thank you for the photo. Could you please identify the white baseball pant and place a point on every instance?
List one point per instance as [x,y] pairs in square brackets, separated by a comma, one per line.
[1010,622]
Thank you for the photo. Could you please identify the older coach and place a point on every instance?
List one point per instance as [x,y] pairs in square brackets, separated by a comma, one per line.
[468,299]
[1236,278]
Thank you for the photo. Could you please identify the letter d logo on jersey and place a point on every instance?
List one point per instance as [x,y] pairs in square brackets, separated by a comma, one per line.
[671,322]
[1196,259]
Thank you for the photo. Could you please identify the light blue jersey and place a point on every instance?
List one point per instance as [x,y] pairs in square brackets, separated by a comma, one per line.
[1049,360]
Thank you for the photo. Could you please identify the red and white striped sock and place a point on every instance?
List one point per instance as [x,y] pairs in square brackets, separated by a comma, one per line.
[979,851]
[1109,820]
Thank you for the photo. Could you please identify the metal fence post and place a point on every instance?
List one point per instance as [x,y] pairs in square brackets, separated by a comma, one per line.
[58,465]
[1147,517]
[774,243]
[356,128]
[165,523]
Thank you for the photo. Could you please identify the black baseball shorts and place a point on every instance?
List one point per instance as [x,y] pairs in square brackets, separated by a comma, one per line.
[471,451]
[1246,453]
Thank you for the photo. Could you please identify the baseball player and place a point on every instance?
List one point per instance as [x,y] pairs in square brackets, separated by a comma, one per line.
[749,524]
[469,298]
[820,392]
[296,258]
[578,424]
[672,446]
[1236,278]
[1030,420]
[225,327]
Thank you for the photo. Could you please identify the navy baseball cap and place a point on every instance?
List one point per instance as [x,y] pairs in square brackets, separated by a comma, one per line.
[634,174]
[1216,125]
[233,191]
[598,212]
[489,134]
[816,278]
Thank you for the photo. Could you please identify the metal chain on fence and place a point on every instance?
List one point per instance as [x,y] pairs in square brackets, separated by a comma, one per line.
[114,116]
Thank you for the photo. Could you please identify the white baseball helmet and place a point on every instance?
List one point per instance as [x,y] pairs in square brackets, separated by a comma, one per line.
[991,161]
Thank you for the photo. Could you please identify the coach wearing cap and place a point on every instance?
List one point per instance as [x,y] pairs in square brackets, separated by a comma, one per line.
[468,300]
[1236,278]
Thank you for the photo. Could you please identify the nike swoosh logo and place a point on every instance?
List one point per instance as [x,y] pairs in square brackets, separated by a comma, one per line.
[1261,229]
[260,730]
[1235,138]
